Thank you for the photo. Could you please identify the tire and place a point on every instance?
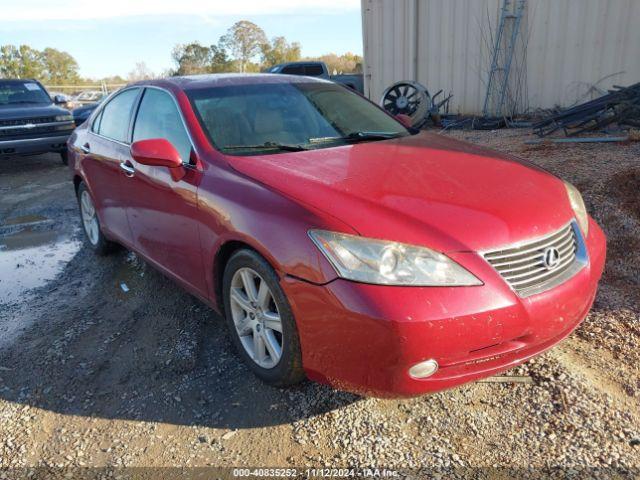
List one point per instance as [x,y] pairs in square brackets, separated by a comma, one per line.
[246,265]
[64,155]
[92,232]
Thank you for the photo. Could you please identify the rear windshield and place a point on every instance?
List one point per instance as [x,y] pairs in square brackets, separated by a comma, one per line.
[241,118]
[16,92]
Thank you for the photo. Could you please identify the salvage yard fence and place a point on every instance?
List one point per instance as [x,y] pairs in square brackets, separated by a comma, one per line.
[76,89]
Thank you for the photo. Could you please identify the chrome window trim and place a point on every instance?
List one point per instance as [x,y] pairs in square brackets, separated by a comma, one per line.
[109,139]
[581,260]
[134,116]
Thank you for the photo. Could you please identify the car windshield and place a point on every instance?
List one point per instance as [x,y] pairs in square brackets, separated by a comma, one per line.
[274,117]
[16,92]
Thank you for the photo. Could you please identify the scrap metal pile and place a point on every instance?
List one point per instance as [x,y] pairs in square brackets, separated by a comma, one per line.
[620,106]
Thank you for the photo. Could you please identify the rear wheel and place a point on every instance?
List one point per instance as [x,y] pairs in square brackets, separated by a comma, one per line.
[260,320]
[91,224]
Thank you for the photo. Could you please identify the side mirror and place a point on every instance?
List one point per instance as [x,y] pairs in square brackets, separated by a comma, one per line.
[404,120]
[158,152]
[59,100]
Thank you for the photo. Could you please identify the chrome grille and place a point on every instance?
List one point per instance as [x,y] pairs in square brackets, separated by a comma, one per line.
[525,267]
[24,121]
[30,127]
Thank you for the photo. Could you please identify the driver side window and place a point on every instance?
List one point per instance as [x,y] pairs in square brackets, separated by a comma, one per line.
[158,117]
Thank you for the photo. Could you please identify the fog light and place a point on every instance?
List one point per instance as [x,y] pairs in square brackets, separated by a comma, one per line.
[424,369]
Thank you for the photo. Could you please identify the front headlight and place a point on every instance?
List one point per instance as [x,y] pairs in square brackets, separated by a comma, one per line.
[389,263]
[575,199]
[64,118]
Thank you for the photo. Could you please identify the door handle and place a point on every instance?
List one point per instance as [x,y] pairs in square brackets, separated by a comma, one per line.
[86,148]
[128,169]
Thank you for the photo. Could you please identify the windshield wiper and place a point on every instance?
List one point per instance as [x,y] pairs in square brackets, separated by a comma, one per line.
[358,137]
[371,135]
[267,146]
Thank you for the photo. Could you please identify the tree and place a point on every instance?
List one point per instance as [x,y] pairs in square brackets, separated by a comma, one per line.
[191,58]
[50,65]
[21,62]
[346,63]
[280,51]
[60,67]
[245,41]
[220,61]
[31,62]
[9,62]
[140,72]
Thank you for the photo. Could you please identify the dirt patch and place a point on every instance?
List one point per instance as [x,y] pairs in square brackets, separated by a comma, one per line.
[625,186]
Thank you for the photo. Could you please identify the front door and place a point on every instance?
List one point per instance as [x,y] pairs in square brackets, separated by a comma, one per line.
[162,212]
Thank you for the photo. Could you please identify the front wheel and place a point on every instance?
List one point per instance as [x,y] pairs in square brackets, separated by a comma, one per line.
[64,156]
[260,320]
[91,224]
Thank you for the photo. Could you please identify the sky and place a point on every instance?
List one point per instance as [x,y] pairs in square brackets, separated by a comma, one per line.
[110,37]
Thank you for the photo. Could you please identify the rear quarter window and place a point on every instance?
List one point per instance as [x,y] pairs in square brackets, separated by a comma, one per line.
[95,127]
[313,70]
[293,70]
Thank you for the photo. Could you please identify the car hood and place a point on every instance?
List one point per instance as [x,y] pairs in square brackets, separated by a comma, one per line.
[425,189]
[25,110]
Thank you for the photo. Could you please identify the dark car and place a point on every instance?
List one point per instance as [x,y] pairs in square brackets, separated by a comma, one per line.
[30,121]
[355,81]
[81,114]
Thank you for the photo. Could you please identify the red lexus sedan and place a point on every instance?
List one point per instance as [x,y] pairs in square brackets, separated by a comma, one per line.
[338,244]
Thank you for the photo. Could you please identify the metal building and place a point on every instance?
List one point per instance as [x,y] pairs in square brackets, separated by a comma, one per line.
[568,50]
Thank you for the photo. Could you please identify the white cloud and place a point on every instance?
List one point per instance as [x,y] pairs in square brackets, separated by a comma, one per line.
[40,10]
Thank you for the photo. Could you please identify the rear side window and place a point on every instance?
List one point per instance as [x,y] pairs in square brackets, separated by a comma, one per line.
[96,123]
[293,70]
[158,117]
[113,122]
[313,70]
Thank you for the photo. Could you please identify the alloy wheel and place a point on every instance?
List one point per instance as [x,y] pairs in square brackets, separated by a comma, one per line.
[89,218]
[256,317]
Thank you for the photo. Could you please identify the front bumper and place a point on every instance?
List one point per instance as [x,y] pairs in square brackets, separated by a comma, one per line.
[364,338]
[32,146]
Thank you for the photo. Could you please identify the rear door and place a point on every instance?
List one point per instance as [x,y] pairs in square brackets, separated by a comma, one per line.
[105,147]
[163,212]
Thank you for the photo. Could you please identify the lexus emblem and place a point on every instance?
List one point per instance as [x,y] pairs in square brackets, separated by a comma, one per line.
[551,258]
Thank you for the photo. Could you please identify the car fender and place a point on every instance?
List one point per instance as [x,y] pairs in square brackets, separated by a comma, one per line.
[236,208]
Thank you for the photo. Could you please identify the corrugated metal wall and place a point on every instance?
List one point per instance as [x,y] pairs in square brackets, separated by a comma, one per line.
[566,48]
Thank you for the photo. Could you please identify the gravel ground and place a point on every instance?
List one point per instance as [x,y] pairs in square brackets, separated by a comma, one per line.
[91,375]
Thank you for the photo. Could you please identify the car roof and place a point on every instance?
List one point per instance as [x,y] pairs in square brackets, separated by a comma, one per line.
[193,82]
[300,62]
[7,80]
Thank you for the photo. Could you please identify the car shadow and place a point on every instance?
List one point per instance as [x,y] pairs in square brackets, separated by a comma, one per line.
[113,338]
